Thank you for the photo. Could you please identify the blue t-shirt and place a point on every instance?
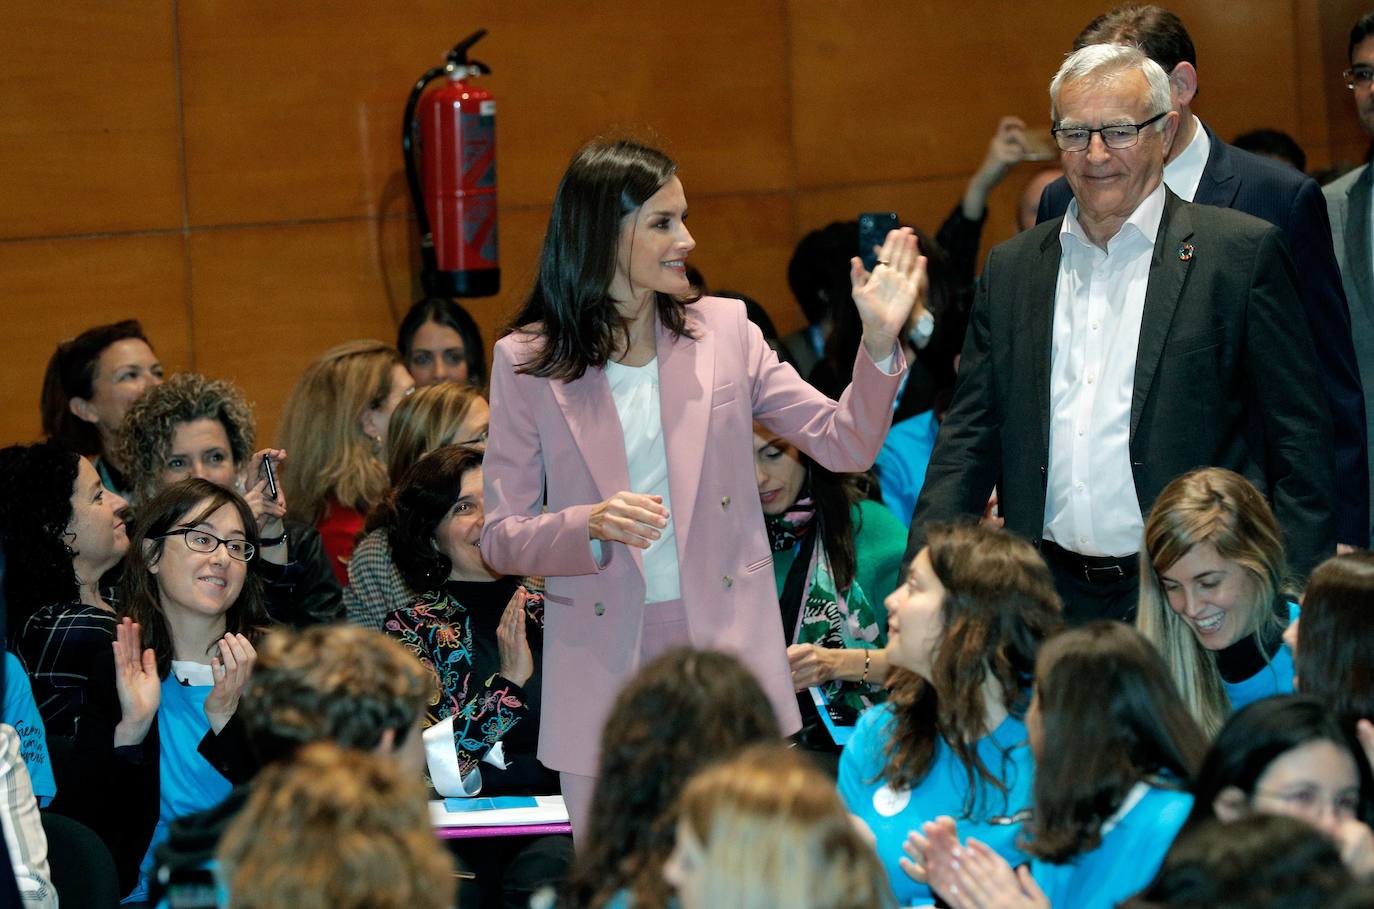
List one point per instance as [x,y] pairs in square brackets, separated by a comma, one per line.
[902,462]
[996,818]
[21,712]
[188,782]
[1128,857]
[1275,678]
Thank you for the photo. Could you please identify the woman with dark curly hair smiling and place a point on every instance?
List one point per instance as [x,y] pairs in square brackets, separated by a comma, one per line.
[62,530]
[481,634]
[191,426]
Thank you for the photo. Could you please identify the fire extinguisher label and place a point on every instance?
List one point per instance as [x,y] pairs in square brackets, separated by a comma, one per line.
[488,108]
[479,152]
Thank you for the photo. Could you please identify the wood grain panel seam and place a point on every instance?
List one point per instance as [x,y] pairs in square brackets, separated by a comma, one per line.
[187,265]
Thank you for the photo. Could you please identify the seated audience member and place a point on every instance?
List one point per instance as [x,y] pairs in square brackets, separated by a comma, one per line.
[1335,663]
[327,683]
[335,426]
[1211,593]
[765,828]
[818,285]
[20,713]
[1288,755]
[434,416]
[90,382]
[1115,752]
[1274,144]
[335,828]
[191,426]
[440,342]
[163,741]
[62,530]
[835,557]
[1258,862]
[481,634]
[681,711]
[963,633]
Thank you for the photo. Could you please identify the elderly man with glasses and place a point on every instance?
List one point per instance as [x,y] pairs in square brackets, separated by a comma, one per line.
[1131,340]
[1350,201]
[1201,167]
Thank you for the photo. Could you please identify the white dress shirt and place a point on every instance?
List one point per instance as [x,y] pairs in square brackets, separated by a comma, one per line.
[1091,505]
[635,390]
[1184,173]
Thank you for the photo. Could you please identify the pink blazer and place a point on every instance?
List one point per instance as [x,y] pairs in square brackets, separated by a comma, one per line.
[560,444]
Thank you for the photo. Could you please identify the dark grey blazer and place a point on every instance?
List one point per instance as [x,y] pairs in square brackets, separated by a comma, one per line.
[1347,201]
[1226,375]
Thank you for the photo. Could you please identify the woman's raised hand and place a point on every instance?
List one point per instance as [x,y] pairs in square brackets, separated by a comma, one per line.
[267,511]
[517,661]
[231,670]
[136,683]
[629,517]
[885,296]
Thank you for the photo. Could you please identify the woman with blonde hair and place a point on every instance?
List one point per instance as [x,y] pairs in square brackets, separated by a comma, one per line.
[448,413]
[335,426]
[767,829]
[1212,594]
[336,828]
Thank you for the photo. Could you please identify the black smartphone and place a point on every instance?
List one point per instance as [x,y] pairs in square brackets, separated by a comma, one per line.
[873,230]
[271,476]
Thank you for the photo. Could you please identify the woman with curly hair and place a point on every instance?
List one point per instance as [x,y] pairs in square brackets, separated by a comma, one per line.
[90,382]
[765,829]
[447,413]
[1212,594]
[481,634]
[335,828]
[164,740]
[62,530]
[1115,754]
[681,711]
[335,426]
[191,426]
[963,634]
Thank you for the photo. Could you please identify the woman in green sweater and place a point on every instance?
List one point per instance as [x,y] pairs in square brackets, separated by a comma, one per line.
[836,555]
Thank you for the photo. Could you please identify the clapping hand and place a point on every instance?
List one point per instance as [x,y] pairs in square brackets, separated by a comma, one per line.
[231,670]
[885,296]
[517,661]
[136,683]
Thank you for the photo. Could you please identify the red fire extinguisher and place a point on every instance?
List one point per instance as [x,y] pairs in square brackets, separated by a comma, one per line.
[452,129]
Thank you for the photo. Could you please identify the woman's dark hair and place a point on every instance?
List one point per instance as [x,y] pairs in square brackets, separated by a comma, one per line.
[999,607]
[138,589]
[414,509]
[1335,658]
[1110,718]
[71,374]
[443,311]
[680,712]
[1263,861]
[1257,735]
[36,485]
[570,306]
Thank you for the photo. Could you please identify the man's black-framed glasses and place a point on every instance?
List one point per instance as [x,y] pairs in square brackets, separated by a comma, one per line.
[1124,135]
[1358,77]
[201,541]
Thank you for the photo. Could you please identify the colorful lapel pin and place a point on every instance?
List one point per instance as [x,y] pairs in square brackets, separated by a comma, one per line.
[1185,252]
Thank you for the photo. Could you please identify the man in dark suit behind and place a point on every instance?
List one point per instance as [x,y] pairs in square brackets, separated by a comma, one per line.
[1202,168]
[1119,346]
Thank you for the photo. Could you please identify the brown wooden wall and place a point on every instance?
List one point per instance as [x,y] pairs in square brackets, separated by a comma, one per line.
[230,172]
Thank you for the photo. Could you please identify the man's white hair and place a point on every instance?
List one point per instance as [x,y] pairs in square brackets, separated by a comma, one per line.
[1103,63]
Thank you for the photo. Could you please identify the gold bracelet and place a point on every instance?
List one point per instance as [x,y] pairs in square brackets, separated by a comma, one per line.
[868,658]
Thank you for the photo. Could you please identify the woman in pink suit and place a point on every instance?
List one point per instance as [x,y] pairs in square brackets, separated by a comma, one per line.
[619,462]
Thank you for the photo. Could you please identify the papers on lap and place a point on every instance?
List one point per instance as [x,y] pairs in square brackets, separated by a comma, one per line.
[498,816]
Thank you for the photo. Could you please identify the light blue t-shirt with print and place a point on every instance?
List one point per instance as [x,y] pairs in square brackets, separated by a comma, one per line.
[21,712]
[995,817]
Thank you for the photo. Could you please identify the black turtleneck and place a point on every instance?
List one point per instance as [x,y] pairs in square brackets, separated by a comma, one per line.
[1253,652]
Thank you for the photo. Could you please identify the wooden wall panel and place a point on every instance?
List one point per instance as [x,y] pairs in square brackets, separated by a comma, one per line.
[299,117]
[53,289]
[89,138]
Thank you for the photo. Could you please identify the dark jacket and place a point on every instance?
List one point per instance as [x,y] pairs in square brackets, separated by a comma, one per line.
[304,591]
